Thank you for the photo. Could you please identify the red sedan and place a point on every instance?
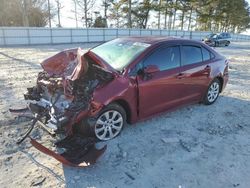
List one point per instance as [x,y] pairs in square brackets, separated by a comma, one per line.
[125,80]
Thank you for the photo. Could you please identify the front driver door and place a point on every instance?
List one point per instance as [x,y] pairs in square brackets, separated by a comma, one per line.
[160,90]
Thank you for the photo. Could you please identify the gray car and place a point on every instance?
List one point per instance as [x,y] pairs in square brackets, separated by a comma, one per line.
[218,39]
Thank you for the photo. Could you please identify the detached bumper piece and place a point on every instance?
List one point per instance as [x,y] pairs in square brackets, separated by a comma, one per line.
[82,155]
[78,151]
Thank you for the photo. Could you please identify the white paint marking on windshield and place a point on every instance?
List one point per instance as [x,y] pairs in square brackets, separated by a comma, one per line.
[141,44]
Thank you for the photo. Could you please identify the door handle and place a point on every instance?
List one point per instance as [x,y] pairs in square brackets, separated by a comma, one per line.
[180,76]
[207,70]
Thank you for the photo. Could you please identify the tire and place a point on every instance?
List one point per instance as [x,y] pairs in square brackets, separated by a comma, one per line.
[109,122]
[101,127]
[213,92]
[227,43]
[215,44]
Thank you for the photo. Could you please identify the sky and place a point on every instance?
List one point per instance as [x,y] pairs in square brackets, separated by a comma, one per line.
[68,20]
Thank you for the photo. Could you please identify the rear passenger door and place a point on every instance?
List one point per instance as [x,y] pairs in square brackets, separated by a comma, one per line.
[222,39]
[195,71]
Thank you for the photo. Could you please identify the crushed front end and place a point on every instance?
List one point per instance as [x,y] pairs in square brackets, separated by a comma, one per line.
[59,102]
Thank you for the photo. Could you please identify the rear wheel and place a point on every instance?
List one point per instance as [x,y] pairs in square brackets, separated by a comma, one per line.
[212,92]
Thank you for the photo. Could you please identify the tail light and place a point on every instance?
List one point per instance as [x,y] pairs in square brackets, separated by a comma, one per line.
[226,61]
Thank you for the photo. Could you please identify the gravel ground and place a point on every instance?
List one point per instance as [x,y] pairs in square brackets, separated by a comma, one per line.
[195,146]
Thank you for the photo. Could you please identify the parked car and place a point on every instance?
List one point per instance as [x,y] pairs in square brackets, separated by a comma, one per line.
[125,80]
[219,39]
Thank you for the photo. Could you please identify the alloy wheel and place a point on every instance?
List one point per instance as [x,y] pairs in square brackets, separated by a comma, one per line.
[108,125]
[213,92]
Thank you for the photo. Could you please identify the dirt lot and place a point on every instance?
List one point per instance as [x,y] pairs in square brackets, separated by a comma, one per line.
[196,146]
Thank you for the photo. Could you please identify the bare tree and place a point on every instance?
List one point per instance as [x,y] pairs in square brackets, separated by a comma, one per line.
[59,7]
[49,13]
[85,6]
[175,7]
[24,5]
[159,14]
[33,13]
[75,12]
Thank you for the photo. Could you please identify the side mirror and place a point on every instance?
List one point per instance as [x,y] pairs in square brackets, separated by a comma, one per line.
[151,69]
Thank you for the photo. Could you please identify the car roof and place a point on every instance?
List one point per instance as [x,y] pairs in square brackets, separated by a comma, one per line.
[223,33]
[154,39]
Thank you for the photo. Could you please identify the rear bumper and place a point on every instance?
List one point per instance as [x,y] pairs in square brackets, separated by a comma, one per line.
[225,81]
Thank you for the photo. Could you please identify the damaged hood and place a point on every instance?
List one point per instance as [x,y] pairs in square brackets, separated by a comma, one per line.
[72,63]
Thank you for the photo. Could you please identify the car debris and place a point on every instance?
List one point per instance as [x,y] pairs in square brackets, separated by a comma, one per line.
[185,145]
[130,176]
[37,181]
[61,97]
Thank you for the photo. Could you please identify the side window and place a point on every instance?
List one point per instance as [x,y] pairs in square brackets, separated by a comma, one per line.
[191,55]
[138,67]
[227,35]
[165,58]
[212,55]
[206,54]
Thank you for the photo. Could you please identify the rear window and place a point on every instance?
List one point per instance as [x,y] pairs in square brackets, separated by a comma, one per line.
[212,55]
[191,54]
[225,35]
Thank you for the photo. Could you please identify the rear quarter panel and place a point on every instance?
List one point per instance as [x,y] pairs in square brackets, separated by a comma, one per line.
[219,69]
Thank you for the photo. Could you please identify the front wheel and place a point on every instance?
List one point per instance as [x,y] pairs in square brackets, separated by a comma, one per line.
[212,92]
[110,122]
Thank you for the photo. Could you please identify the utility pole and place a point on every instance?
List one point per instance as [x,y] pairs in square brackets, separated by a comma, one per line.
[49,14]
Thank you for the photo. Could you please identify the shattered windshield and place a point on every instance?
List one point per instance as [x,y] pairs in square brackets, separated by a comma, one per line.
[119,53]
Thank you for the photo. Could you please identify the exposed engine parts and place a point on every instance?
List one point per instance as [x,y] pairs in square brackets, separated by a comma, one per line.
[63,95]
